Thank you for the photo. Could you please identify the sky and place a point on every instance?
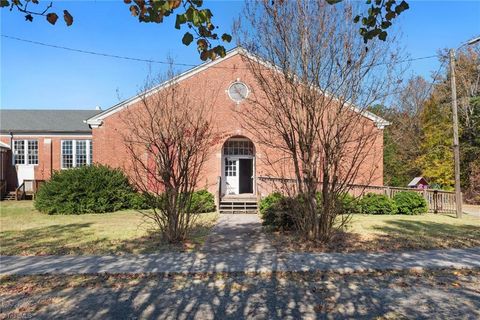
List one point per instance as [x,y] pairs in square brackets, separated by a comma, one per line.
[37,77]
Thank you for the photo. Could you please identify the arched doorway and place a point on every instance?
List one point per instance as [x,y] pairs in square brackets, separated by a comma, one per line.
[238,166]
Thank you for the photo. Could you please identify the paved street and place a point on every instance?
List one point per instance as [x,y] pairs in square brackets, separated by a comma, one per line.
[389,295]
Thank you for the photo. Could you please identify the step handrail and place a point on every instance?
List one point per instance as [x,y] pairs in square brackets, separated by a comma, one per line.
[22,186]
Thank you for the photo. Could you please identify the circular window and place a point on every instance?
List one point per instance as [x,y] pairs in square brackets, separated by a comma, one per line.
[238,91]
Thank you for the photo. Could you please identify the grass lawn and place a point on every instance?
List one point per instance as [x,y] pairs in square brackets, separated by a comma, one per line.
[25,231]
[394,232]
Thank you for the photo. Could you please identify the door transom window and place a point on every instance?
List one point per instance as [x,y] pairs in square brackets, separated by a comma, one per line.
[238,147]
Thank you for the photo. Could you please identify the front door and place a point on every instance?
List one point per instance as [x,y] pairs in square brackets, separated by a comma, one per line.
[231,176]
[246,175]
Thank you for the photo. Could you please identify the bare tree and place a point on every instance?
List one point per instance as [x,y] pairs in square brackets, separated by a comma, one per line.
[168,136]
[316,79]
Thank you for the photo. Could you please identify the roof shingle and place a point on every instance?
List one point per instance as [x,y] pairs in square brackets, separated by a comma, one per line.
[49,121]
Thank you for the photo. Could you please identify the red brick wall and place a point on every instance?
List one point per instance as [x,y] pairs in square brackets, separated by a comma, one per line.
[108,146]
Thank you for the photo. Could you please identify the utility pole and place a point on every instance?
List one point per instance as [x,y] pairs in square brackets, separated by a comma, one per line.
[456,146]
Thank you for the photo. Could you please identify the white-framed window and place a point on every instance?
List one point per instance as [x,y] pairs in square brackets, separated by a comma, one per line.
[238,147]
[32,152]
[76,153]
[25,151]
[230,168]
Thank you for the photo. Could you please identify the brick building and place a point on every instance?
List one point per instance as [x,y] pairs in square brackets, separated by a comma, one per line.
[238,163]
[41,141]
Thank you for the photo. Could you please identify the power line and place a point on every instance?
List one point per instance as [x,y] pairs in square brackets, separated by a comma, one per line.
[95,53]
[166,62]
[403,61]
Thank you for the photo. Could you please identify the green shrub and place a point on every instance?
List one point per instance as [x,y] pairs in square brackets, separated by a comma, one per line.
[277,211]
[349,204]
[202,201]
[269,201]
[267,208]
[139,201]
[346,203]
[301,198]
[88,189]
[285,210]
[409,202]
[373,203]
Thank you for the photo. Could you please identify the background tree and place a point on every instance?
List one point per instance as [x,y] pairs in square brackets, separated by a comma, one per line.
[419,139]
[168,145]
[437,128]
[315,82]
[436,158]
[375,21]
[402,138]
[468,73]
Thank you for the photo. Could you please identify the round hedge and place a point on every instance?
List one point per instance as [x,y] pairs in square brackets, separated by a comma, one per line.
[277,211]
[373,203]
[267,208]
[202,201]
[411,203]
[87,189]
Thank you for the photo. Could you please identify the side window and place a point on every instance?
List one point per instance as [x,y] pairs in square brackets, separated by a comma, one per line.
[67,154]
[32,151]
[90,149]
[25,152]
[76,153]
[81,153]
[19,152]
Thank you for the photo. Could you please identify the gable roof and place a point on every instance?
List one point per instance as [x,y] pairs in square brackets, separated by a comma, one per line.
[97,120]
[45,121]
[416,181]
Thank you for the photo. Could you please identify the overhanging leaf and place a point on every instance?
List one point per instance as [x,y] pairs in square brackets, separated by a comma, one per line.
[52,17]
[187,38]
[67,17]
[181,19]
[226,37]
[134,10]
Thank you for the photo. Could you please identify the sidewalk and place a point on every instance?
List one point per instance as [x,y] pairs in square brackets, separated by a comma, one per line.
[240,262]
[471,210]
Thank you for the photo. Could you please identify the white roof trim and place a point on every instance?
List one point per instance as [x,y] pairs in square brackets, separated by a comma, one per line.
[4,145]
[97,120]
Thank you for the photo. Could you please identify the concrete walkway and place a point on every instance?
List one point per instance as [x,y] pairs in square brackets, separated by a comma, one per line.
[471,210]
[238,233]
[241,262]
[237,244]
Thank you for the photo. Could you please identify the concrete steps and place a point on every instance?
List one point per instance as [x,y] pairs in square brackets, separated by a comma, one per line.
[238,204]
